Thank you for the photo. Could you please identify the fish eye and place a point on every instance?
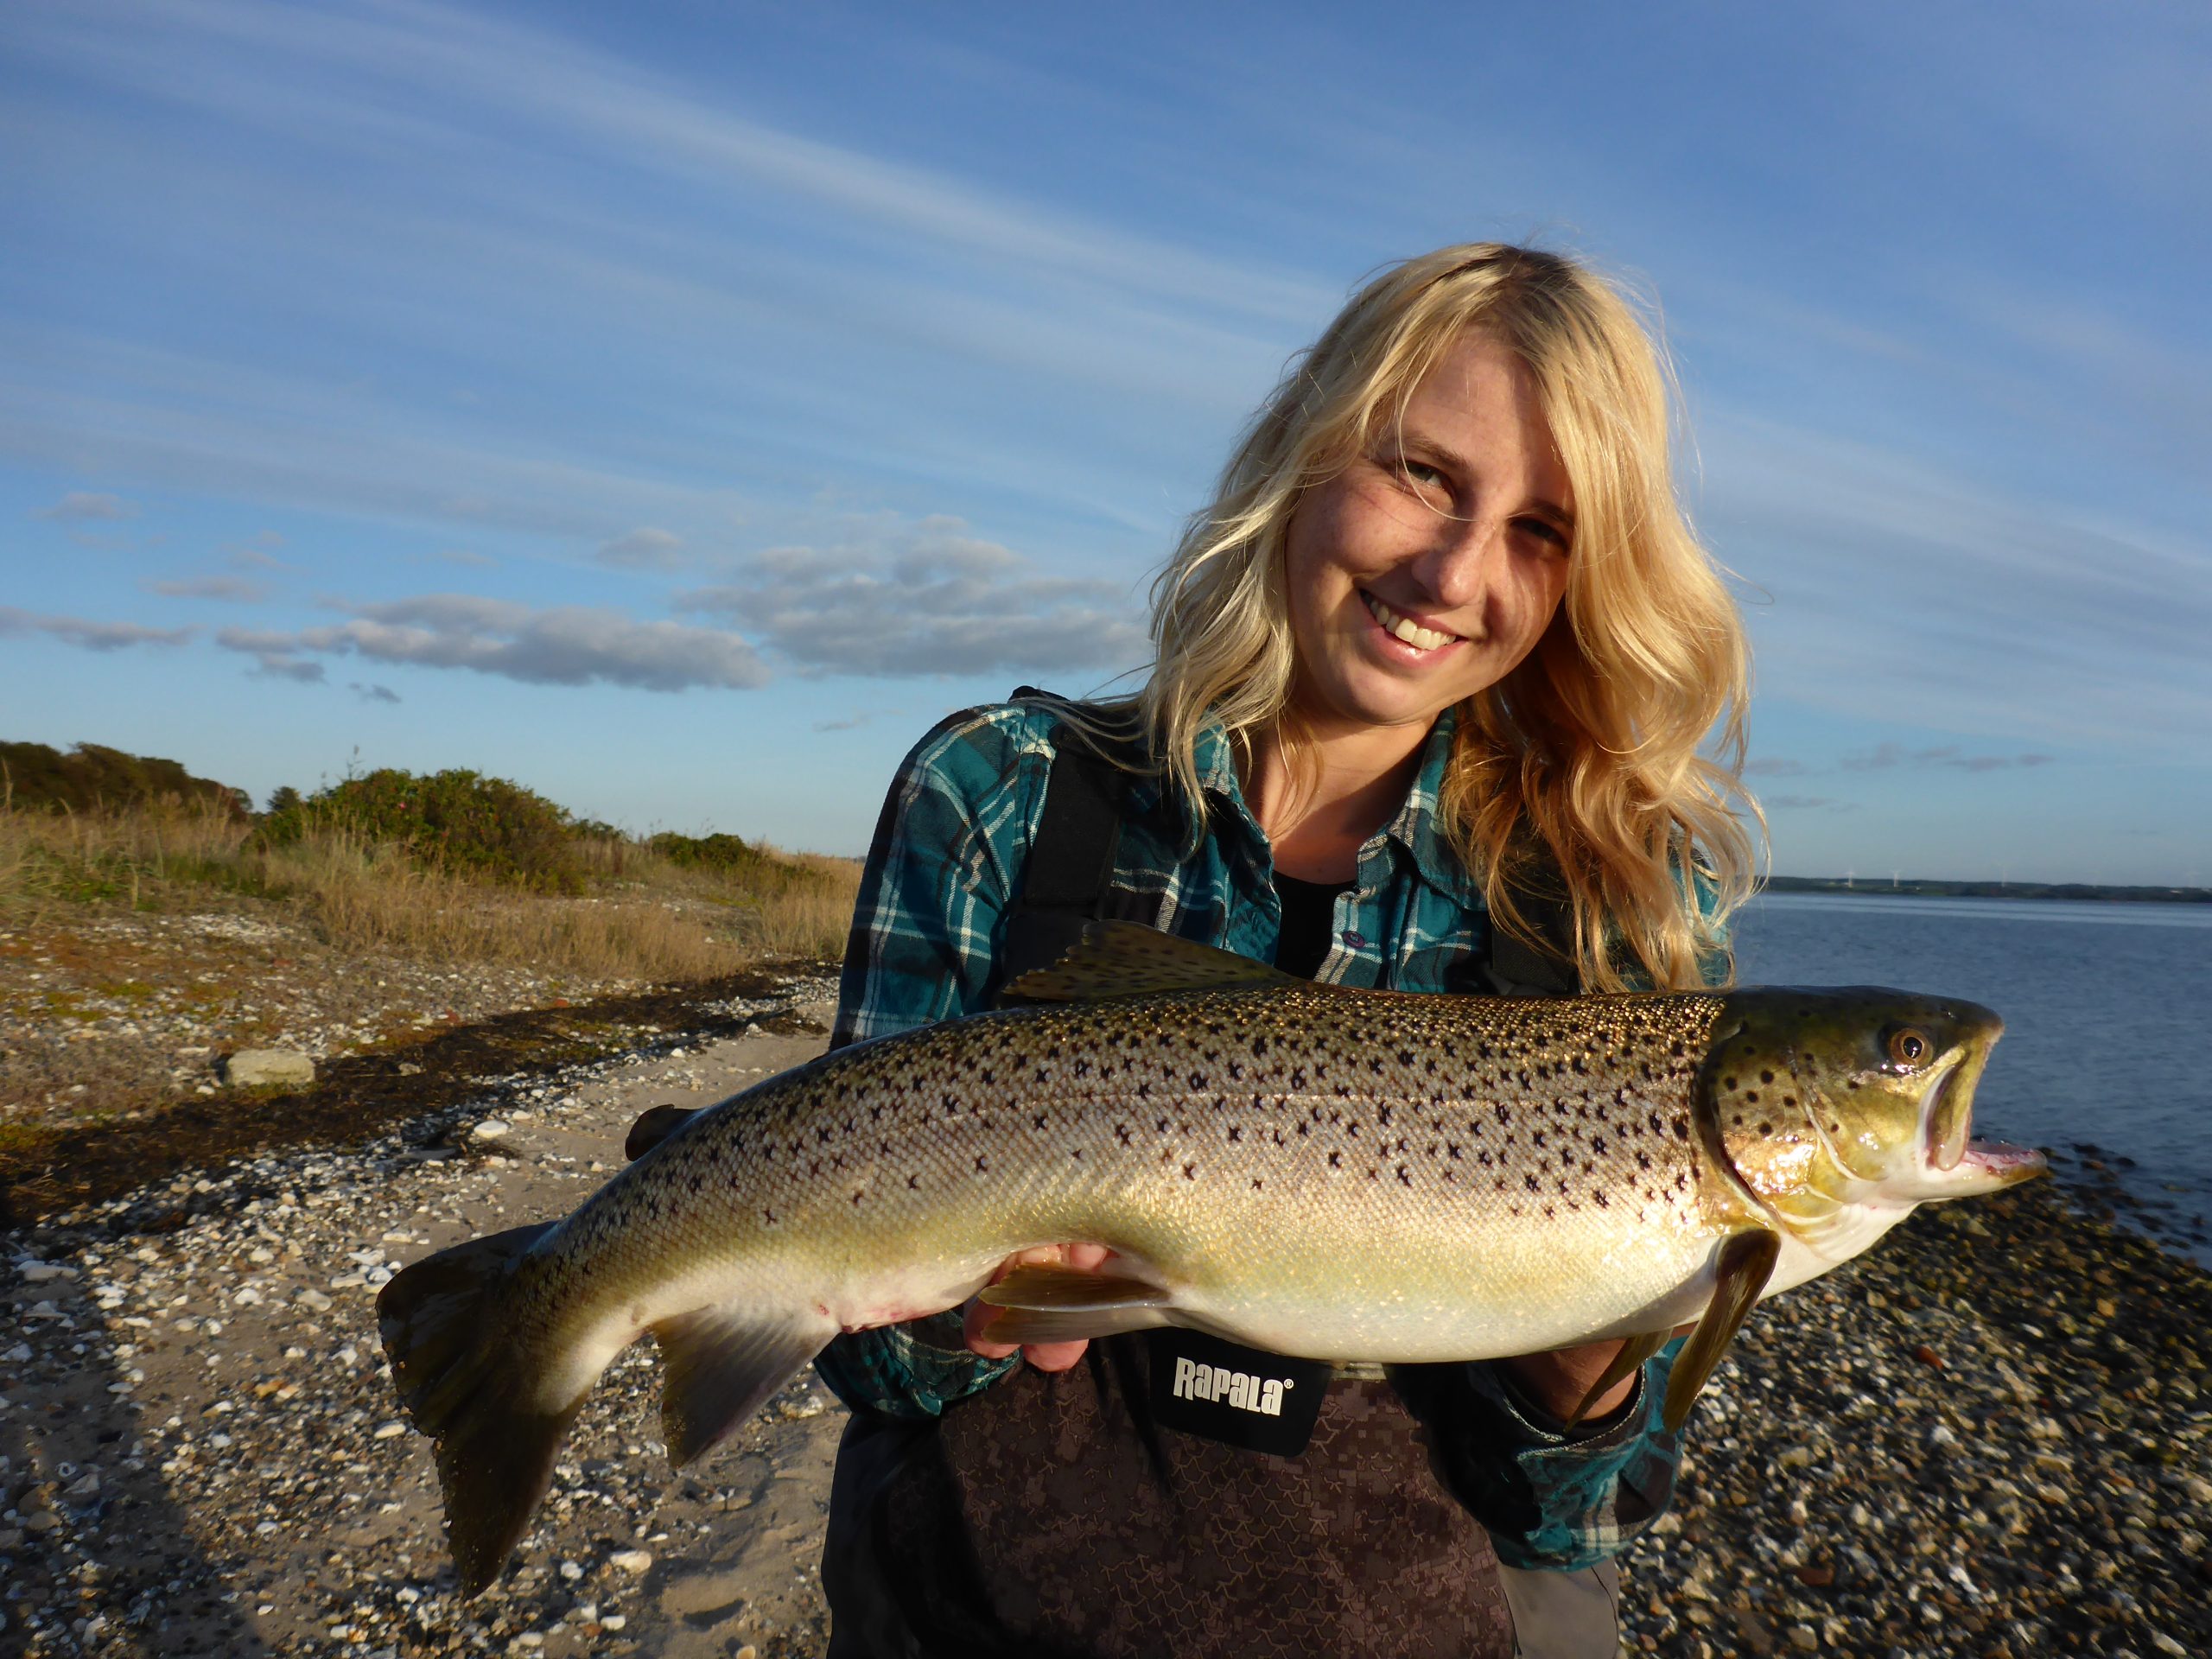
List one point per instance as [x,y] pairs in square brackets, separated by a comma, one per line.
[1908,1046]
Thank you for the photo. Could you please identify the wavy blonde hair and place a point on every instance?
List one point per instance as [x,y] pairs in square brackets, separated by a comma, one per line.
[1589,750]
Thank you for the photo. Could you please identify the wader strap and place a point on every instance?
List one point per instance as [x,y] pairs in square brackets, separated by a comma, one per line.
[1070,866]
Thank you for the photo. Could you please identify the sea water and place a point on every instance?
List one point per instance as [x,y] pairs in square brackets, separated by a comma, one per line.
[2108,1012]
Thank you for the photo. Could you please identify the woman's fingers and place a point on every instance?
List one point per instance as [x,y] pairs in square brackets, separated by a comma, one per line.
[976,1319]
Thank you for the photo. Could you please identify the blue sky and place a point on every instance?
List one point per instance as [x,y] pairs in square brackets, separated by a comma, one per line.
[678,407]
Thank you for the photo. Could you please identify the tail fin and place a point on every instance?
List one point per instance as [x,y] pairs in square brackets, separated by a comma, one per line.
[465,1384]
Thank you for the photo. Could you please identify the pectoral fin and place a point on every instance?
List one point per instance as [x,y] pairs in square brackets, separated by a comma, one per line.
[1633,1353]
[1746,1262]
[1041,1303]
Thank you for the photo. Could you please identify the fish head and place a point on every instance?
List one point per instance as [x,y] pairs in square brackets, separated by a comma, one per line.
[1860,1097]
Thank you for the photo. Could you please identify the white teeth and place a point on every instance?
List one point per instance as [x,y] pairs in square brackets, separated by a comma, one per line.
[1411,632]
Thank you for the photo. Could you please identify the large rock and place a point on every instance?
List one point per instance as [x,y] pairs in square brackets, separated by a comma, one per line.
[258,1068]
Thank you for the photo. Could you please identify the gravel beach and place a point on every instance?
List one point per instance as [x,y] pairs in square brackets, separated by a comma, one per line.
[1993,1437]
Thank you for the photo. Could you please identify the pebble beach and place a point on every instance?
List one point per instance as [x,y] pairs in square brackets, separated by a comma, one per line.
[1991,1437]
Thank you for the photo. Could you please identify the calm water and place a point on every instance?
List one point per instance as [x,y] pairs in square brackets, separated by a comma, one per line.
[2107,1016]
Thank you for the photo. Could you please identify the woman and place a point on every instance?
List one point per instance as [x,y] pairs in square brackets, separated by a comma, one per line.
[1433,671]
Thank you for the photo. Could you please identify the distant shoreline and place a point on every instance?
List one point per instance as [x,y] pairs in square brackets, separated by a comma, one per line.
[1920,888]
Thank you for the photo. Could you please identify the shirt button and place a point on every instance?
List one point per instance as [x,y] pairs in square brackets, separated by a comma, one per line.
[1356,940]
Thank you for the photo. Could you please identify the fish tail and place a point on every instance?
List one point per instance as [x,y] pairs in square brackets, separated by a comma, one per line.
[474,1390]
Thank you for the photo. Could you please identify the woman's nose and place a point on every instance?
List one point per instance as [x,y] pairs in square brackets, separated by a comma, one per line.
[1461,567]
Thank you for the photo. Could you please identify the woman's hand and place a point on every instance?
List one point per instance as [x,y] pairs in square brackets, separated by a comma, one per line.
[1558,1380]
[1044,1356]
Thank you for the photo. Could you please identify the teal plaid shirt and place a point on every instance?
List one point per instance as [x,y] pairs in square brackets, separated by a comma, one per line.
[940,882]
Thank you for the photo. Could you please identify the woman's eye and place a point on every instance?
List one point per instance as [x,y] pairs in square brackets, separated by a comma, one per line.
[1544,530]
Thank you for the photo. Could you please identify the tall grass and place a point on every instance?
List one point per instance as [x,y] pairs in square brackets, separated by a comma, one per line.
[642,914]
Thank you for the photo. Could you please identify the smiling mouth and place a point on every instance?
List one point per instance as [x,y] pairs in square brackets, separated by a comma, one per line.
[1404,629]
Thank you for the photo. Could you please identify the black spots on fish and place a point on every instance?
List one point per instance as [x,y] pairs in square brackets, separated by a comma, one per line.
[1404,1178]
[1336,1161]
[1598,1196]
[1190,1172]
[1681,1128]
[1121,1133]
[1236,1133]
[1160,1127]
[1351,1127]
[1766,1128]
[1037,1121]
[1257,1184]
[767,1218]
[1529,1180]
[1305,1127]
[1644,1161]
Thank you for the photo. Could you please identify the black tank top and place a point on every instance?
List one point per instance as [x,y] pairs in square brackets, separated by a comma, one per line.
[1309,923]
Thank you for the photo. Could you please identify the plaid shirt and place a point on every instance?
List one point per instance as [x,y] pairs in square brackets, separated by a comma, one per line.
[941,878]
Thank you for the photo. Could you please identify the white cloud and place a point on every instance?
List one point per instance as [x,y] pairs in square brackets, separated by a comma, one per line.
[80,507]
[643,548]
[560,645]
[234,588]
[91,636]
[933,601]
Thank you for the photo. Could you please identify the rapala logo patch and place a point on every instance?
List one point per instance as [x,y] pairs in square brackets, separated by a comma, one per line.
[1195,1379]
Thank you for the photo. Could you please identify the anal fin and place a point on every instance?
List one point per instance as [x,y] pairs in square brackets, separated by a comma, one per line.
[1746,1262]
[722,1363]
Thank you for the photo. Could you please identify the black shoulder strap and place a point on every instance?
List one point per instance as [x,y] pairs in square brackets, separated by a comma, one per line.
[1517,967]
[1070,863]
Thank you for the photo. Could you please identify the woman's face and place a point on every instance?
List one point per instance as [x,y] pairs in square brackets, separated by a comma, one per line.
[1428,567]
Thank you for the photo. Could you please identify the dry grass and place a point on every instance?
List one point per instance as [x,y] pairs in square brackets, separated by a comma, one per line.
[643,917]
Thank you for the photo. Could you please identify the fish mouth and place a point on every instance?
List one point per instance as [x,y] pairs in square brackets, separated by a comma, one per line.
[1989,1165]
[1404,628]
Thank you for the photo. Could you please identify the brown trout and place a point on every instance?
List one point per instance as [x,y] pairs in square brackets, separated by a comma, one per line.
[1329,1173]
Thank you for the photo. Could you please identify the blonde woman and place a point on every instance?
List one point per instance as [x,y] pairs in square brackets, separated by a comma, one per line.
[1432,674]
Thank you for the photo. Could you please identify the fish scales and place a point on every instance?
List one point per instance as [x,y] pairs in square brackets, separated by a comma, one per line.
[1326,1175]
[1332,1173]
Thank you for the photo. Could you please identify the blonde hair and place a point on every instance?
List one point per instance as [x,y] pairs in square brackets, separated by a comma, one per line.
[1588,751]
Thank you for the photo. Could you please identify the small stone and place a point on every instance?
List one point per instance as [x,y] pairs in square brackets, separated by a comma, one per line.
[613,1622]
[1804,1639]
[40,1521]
[38,1273]
[1818,1577]
[1929,1357]
[390,1431]
[490,1129]
[314,1299]
[631,1561]
[257,1068]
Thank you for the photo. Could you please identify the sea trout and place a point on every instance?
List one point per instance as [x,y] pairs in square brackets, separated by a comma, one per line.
[1330,1173]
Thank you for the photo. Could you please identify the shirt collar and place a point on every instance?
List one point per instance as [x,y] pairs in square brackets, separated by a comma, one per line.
[1417,828]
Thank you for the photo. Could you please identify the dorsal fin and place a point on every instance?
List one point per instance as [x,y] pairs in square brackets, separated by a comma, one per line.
[1128,959]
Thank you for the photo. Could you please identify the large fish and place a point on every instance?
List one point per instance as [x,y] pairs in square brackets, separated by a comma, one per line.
[1330,1173]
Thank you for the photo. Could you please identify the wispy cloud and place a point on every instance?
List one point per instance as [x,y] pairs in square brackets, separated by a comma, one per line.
[82,507]
[91,636]
[849,723]
[936,602]
[235,589]
[643,548]
[1803,803]
[1887,756]
[559,646]
[373,693]
[1774,767]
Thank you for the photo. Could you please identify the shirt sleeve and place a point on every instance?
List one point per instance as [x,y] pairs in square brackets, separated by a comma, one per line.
[933,897]
[1551,1498]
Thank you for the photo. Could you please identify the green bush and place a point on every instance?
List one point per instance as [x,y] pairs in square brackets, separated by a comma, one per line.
[483,829]
[91,776]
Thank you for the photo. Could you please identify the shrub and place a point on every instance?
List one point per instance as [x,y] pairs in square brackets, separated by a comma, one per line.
[92,777]
[459,822]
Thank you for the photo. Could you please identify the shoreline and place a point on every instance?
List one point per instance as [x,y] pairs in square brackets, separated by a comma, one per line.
[1938,887]
[1986,1437]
